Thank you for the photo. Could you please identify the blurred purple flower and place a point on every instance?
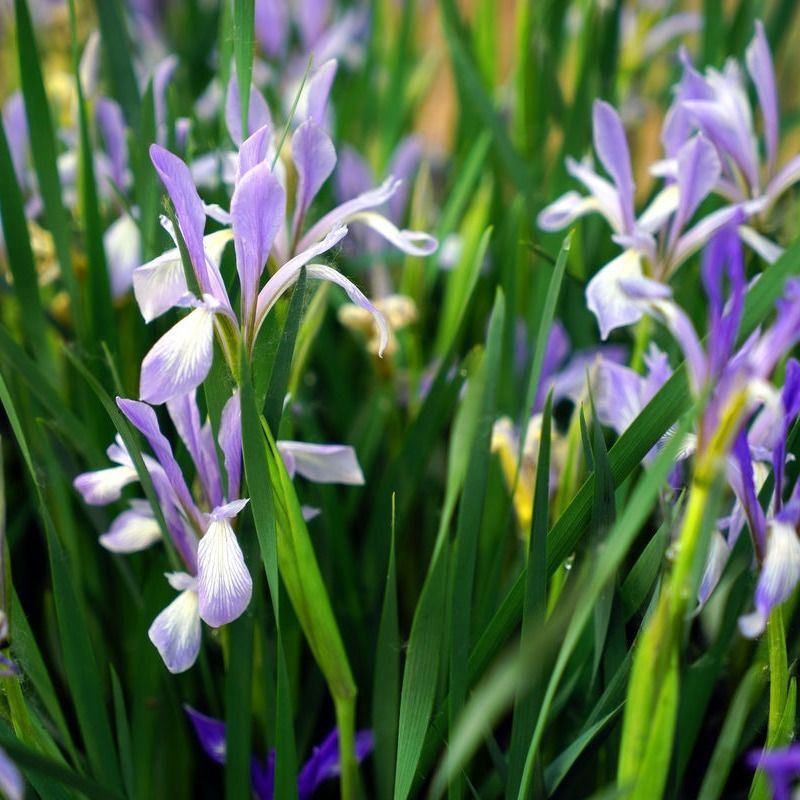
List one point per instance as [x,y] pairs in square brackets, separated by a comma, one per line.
[782,768]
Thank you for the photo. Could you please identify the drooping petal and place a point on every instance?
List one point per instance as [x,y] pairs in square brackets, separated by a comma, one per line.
[180,360]
[762,71]
[780,573]
[189,210]
[176,632]
[257,112]
[659,210]
[415,243]
[159,284]
[133,530]
[607,195]
[210,733]
[321,272]
[314,158]
[612,149]
[607,300]
[787,176]
[224,585]
[691,241]
[321,463]
[104,486]
[759,244]
[565,210]
[257,212]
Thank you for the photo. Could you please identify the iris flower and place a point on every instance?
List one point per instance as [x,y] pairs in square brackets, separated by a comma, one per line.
[320,767]
[214,585]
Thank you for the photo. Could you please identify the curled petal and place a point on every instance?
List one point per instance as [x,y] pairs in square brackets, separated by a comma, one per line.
[779,576]
[415,243]
[104,486]
[565,210]
[224,585]
[289,272]
[787,177]
[176,633]
[180,360]
[341,214]
[322,463]
[759,244]
[321,272]
[133,530]
[606,298]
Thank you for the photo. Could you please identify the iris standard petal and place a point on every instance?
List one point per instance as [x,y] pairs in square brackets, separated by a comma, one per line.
[762,71]
[611,146]
[314,158]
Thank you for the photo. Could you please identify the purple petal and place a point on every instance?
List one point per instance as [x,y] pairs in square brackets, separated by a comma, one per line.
[272,26]
[224,585]
[618,395]
[565,210]
[318,91]
[324,762]
[321,463]
[111,125]
[162,75]
[762,71]
[257,212]
[181,359]
[353,175]
[744,488]
[230,442]
[312,17]
[606,196]
[143,418]
[314,158]
[210,733]
[699,234]
[257,112]
[189,210]
[12,784]
[176,633]
[612,149]
[780,573]
[404,166]
[606,298]
[717,559]
[15,123]
[122,245]
[133,530]
[253,151]
[782,766]
[698,171]
[787,177]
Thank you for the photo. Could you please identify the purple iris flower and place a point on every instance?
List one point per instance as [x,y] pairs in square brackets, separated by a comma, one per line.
[782,768]
[657,242]
[320,767]
[12,784]
[261,231]
[215,585]
[717,104]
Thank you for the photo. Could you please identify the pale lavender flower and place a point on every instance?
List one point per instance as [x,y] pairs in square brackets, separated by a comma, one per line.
[12,784]
[322,765]
[658,241]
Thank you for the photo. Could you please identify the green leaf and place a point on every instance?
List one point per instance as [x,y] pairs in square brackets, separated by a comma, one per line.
[123,735]
[470,513]
[118,50]
[43,148]
[80,665]
[243,28]
[535,603]
[386,686]
[20,255]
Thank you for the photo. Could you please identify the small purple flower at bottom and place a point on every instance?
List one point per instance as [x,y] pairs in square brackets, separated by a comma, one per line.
[782,768]
[320,767]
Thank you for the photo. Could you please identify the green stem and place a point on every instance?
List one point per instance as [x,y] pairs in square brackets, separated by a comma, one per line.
[346,724]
